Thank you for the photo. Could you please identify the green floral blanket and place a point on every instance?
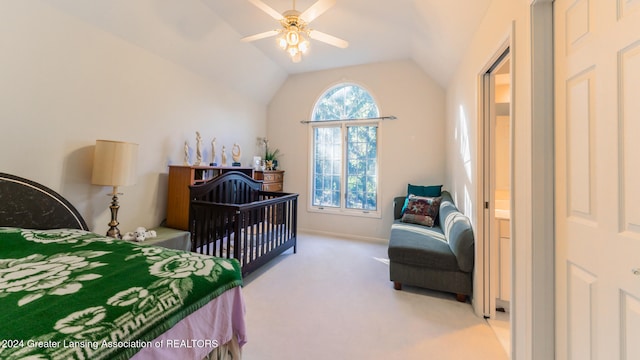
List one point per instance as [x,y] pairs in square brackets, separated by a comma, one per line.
[72,294]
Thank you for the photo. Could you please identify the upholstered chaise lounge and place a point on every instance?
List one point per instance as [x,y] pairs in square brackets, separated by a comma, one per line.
[439,257]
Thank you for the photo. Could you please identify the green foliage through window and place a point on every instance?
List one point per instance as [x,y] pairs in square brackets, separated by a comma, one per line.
[346,101]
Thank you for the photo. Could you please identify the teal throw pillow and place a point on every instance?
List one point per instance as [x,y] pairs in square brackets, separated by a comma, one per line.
[419,190]
[430,191]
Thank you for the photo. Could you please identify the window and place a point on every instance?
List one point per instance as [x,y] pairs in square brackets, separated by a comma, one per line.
[345,153]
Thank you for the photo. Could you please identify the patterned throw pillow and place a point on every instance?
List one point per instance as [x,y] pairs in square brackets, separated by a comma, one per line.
[419,190]
[422,210]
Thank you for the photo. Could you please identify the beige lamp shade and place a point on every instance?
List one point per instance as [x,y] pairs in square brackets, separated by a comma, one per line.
[114,163]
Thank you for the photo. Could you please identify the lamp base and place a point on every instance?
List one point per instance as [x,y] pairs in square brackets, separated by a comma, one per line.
[114,232]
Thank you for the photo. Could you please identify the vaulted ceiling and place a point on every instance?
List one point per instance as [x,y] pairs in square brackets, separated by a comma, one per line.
[204,35]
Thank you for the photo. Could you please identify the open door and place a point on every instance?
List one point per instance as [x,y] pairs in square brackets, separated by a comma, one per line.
[597,50]
[495,240]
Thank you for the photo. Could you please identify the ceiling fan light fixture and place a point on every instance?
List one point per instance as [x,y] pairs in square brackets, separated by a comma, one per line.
[293,37]
[294,34]
[294,42]
[303,46]
[297,58]
[282,42]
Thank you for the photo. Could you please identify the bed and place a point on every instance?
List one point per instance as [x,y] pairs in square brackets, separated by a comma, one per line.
[231,216]
[68,293]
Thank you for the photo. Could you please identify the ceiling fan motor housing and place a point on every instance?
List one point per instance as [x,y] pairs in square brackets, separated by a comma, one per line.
[292,18]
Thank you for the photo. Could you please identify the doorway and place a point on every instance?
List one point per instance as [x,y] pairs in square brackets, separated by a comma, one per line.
[496,110]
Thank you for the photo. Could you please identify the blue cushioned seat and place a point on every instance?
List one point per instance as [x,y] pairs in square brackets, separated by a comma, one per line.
[439,257]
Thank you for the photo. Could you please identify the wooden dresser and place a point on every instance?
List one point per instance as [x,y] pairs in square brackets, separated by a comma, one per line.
[180,178]
[272,180]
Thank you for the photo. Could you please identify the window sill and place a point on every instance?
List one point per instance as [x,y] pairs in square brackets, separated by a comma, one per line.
[344,212]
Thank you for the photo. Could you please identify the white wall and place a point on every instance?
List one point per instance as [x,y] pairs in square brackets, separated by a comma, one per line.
[464,157]
[411,148]
[64,84]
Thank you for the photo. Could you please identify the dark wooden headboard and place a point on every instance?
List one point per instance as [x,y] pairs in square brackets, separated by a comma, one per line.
[27,204]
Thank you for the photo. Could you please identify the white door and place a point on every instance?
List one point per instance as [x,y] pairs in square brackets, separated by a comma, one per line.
[597,51]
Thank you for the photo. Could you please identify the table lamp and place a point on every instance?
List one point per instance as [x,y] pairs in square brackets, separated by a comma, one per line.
[114,164]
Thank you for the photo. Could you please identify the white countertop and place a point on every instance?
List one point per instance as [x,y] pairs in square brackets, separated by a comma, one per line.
[503,214]
[502,209]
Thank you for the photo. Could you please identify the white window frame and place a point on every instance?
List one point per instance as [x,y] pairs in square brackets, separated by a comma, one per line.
[343,124]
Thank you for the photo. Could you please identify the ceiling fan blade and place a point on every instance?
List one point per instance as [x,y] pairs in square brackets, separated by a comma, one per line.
[268,9]
[329,39]
[263,35]
[316,10]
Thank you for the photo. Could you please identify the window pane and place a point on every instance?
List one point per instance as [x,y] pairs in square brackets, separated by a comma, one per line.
[345,101]
[317,197]
[372,167]
[362,169]
[335,201]
[326,166]
[371,202]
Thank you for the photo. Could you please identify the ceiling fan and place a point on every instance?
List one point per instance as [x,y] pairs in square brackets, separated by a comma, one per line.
[294,31]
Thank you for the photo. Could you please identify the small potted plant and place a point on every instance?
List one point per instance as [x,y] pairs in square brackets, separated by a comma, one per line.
[270,156]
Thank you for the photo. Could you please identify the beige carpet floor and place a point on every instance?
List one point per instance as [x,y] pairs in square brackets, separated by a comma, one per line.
[501,326]
[333,300]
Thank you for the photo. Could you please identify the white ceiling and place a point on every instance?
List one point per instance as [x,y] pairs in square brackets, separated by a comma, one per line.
[204,35]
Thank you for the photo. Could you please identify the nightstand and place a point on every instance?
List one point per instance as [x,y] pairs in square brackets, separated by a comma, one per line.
[170,238]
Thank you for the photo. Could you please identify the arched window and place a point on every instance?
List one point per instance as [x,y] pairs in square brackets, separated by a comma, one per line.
[345,101]
[344,152]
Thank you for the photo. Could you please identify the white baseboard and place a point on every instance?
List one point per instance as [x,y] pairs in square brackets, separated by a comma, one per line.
[344,236]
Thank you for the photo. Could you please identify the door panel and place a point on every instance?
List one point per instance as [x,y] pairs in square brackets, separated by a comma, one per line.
[629,73]
[581,295]
[581,145]
[630,326]
[597,50]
